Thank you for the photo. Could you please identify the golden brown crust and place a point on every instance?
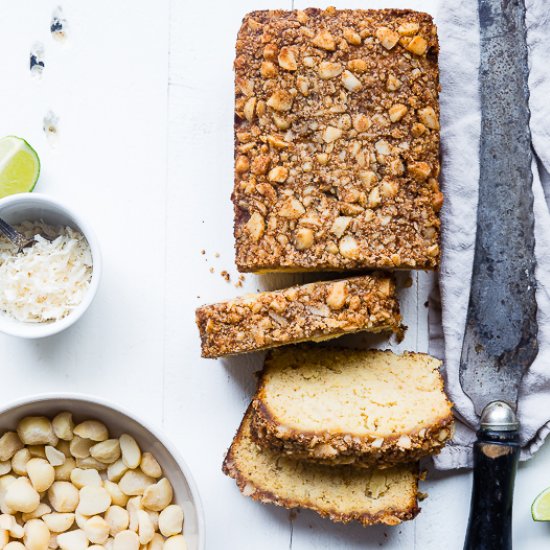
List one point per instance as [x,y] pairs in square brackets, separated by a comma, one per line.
[336,141]
[390,516]
[349,449]
[325,447]
[321,310]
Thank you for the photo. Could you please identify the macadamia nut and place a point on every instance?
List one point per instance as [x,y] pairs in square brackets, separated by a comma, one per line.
[36,430]
[131,453]
[171,520]
[63,426]
[91,429]
[73,488]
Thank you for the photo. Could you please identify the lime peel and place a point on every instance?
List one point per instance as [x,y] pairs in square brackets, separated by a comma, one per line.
[540,509]
[19,166]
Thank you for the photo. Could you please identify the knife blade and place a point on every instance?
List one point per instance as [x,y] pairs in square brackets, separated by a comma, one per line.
[500,340]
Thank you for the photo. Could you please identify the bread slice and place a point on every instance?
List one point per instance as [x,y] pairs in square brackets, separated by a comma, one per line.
[336,141]
[341,493]
[345,406]
[315,311]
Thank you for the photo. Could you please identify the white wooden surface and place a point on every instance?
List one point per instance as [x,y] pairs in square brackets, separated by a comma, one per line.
[142,92]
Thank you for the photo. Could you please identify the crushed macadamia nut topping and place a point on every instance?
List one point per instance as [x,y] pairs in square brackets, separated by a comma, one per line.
[336,141]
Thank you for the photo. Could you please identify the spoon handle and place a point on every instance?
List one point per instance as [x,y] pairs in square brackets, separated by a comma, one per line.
[13,235]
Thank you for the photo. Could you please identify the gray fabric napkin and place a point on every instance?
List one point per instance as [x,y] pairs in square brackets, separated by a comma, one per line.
[458,26]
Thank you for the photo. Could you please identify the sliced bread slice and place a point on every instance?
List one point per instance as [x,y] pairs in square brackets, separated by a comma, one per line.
[314,311]
[341,493]
[341,406]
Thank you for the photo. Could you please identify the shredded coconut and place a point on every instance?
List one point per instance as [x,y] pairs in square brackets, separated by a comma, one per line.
[46,281]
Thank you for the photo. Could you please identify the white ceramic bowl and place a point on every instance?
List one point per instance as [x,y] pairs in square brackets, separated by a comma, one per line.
[119,421]
[33,206]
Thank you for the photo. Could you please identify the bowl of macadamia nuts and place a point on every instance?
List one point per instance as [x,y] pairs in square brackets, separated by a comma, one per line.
[77,473]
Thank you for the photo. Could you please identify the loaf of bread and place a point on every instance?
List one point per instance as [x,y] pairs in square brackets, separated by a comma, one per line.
[336,406]
[316,311]
[336,141]
[341,493]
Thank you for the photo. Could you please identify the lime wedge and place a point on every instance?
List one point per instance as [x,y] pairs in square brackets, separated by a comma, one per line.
[540,509]
[19,166]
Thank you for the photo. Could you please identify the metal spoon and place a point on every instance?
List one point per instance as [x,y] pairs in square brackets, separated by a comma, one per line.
[18,239]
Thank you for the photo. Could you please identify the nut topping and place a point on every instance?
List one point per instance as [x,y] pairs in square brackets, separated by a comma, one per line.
[408,29]
[417,45]
[281,122]
[397,112]
[337,142]
[393,83]
[281,100]
[437,201]
[268,69]
[278,174]
[256,226]
[246,86]
[340,225]
[361,123]
[304,238]
[329,70]
[428,117]
[374,198]
[387,37]
[419,170]
[337,295]
[417,129]
[260,165]
[331,134]
[357,65]
[249,107]
[351,82]
[323,39]
[292,209]
[388,189]
[270,52]
[302,83]
[382,147]
[242,164]
[349,247]
[287,58]
[308,311]
[352,37]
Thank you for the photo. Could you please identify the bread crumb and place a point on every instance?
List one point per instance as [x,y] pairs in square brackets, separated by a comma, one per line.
[240,282]
[225,275]
[400,334]
[211,270]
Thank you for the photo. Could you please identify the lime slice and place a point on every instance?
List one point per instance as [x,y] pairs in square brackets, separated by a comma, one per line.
[19,166]
[540,509]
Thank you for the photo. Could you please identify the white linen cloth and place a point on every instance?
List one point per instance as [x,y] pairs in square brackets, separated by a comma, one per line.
[458,27]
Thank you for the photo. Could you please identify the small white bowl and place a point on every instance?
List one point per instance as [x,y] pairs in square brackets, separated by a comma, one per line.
[119,421]
[34,206]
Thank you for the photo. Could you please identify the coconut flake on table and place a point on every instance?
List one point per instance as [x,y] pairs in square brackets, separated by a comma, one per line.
[46,281]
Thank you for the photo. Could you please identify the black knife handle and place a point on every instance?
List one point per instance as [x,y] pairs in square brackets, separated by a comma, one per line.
[496,454]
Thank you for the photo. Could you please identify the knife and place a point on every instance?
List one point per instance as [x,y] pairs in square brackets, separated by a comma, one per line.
[500,340]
